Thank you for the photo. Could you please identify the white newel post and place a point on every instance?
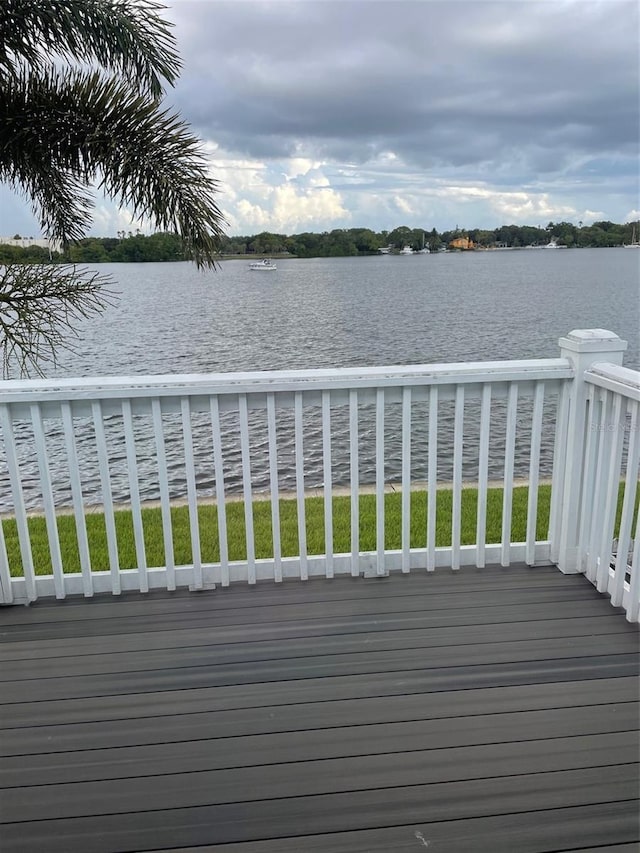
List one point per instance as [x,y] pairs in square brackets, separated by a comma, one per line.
[583,347]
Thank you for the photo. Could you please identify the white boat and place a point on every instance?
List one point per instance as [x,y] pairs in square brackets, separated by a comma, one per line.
[552,244]
[406,250]
[264,264]
[635,243]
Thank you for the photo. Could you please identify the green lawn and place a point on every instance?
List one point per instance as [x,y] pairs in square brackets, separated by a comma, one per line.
[152,523]
[208,524]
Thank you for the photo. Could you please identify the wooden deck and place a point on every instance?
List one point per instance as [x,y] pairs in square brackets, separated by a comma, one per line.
[492,710]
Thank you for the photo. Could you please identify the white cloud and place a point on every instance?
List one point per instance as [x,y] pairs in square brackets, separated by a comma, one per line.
[403,205]
[515,205]
[299,166]
[237,176]
[108,220]
[248,218]
[528,208]
[286,209]
[591,215]
[318,180]
[294,210]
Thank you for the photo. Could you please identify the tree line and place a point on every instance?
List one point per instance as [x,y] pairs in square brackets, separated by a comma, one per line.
[341,242]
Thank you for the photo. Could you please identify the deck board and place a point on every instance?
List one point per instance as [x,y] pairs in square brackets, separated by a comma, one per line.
[476,710]
[554,830]
[244,663]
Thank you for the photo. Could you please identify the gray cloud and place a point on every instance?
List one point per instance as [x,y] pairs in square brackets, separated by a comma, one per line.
[408,106]
[437,83]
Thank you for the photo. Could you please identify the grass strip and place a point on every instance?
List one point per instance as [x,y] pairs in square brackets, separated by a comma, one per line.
[236,530]
[314,518]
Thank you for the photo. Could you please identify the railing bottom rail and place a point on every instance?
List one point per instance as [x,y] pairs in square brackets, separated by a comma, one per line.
[289,568]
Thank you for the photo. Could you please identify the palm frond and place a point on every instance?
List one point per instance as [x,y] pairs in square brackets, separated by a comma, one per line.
[125,36]
[40,305]
[62,130]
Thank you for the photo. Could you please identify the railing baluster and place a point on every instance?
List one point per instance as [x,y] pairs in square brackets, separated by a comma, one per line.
[602,454]
[613,485]
[78,502]
[6,589]
[406,479]
[246,487]
[22,524]
[328,488]
[380,555]
[274,487]
[47,498]
[134,493]
[221,507]
[633,608]
[165,501]
[628,506]
[458,436]
[192,493]
[483,475]
[432,478]
[300,495]
[593,404]
[534,473]
[107,496]
[509,456]
[557,477]
[354,480]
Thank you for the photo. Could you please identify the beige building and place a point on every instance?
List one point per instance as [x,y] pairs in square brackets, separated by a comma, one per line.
[462,243]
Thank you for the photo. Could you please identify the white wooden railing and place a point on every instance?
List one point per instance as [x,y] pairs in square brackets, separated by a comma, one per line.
[612,454]
[78,445]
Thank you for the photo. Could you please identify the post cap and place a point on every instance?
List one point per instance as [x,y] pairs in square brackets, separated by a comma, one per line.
[592,340]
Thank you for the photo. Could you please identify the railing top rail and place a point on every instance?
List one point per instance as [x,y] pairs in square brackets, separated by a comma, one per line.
[614,377]
[171,385]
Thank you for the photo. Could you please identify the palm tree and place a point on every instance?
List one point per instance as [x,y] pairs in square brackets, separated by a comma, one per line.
[81,86]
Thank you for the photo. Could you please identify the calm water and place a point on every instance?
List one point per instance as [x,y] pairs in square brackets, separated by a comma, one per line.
[172,318]
[338,312]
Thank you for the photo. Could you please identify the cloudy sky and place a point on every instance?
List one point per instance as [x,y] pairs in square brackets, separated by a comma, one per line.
[362,113]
